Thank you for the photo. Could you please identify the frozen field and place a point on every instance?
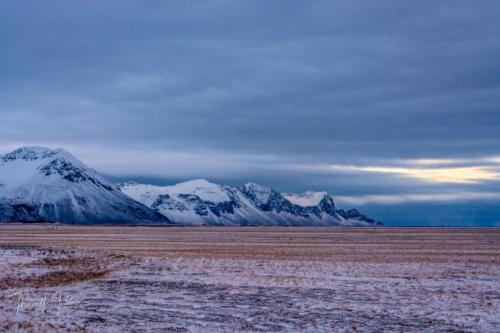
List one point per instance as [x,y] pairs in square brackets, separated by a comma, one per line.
[117,279]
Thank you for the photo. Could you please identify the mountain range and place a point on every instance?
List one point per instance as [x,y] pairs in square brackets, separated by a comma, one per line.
[40,184]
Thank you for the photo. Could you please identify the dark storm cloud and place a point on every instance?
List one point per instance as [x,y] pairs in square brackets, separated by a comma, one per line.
[238,90]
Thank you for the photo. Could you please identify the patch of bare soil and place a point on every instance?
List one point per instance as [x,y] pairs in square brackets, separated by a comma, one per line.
[55,267]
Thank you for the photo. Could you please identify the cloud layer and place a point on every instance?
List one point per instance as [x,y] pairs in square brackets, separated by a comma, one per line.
[361,99]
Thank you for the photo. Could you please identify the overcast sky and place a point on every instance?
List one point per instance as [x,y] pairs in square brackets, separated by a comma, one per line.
[391,106]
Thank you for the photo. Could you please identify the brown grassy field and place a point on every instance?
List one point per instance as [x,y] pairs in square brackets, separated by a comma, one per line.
[251,279]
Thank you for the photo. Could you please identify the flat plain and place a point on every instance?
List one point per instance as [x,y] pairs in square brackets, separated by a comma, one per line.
[248,279]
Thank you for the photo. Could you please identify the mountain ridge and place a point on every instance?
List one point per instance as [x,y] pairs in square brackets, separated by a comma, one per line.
[42,184]
[248,204]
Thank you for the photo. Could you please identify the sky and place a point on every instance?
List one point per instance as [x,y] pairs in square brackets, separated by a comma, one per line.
[391,106]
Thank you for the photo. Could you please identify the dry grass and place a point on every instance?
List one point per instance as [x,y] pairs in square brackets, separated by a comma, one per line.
[69,262]
[51,278]
[57,278]
[56,267]
[329,244]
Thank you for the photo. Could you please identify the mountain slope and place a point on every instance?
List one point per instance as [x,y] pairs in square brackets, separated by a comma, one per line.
[201,202]
[40,184]
[306,199]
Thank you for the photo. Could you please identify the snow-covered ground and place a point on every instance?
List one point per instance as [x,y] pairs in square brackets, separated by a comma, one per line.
[250,280]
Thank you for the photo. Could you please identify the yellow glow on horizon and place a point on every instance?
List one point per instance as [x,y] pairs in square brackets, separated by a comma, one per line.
[433,161]
[473,174]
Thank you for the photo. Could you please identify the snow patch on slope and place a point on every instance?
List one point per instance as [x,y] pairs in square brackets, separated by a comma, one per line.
[306,199]
[202,188]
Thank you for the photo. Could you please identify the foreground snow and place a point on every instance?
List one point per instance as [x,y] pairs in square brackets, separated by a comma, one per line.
[210,288]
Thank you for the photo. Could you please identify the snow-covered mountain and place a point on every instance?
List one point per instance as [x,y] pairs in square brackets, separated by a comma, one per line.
[40,184]
[201,202]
